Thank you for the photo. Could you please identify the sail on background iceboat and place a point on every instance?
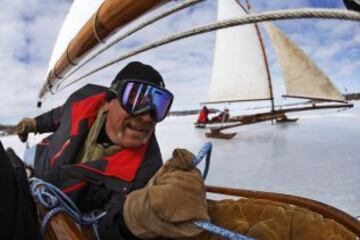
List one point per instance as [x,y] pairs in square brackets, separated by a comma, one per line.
[240,72]
[303,79]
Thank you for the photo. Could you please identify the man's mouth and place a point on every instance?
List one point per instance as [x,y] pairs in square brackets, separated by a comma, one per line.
[136,127]
[139,127]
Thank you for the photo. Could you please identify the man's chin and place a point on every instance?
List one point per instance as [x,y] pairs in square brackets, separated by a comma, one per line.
[133,139]
[132,143]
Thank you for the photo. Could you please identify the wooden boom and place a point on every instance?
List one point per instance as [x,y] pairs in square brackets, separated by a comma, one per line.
[111,15]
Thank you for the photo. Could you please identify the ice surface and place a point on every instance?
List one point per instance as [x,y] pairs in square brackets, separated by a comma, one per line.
[317,157]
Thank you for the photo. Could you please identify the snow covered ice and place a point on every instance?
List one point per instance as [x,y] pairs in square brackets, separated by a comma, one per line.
[317,157]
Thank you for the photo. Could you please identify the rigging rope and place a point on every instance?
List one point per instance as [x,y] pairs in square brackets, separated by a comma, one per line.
[142,25]
[50,197]
[204,151]
[208,226]
[248,19]
[221,231]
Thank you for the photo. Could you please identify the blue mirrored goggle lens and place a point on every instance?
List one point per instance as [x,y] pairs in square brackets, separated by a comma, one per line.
[140,97]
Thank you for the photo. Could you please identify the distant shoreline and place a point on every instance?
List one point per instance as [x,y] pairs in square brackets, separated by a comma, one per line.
[6,129]
[352,96]
[348,96]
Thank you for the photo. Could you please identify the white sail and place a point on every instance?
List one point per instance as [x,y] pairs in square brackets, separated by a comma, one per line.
[79,13]
[239,70]
[302,77]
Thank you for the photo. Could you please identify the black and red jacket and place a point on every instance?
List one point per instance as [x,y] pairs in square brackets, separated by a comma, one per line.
[99,184]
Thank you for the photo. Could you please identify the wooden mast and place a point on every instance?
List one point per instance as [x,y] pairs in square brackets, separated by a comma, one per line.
[247,10]
[111,15]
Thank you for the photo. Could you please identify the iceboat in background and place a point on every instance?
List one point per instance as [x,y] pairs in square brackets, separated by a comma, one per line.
[104,17]
[241,73]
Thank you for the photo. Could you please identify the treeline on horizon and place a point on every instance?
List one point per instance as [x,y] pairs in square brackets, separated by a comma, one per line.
[6,129]
[352,96]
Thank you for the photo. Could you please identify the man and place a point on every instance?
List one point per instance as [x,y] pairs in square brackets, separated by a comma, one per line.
[222,117]
[103,145]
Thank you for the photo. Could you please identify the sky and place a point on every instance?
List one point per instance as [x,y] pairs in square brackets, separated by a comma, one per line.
[29,31]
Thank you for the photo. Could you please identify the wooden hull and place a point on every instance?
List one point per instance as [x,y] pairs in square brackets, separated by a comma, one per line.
[277,115]
[61,226]
[325,210]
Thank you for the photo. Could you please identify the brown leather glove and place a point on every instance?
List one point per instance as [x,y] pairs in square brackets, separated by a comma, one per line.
[172,199]
[24,127]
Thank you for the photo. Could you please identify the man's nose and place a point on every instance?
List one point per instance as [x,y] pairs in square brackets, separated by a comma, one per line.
[148,116]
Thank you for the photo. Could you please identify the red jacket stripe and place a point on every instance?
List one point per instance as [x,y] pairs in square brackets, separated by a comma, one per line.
[85,109]
[74,187]
[123,165]
[58,153]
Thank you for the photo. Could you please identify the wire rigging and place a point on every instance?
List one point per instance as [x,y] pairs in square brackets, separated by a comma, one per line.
[130,32]
[251,18]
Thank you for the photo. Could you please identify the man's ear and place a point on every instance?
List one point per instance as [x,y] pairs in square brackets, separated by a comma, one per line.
[107,106]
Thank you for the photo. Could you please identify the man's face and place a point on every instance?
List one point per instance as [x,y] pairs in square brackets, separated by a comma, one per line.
[125,130]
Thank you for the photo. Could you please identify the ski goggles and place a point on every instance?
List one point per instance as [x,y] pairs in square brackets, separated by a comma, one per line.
[137,97]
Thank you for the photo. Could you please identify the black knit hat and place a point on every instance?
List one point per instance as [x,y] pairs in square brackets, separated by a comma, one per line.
[138,71]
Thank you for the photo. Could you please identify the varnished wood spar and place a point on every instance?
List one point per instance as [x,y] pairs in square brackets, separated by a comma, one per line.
[325,210]
[111,15]
[62,227]
[277,114]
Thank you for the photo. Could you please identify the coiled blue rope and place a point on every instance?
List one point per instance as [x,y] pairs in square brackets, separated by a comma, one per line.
[212,228]
[50,197]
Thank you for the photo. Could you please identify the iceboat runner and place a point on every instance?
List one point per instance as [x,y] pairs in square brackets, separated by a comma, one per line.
[285,205]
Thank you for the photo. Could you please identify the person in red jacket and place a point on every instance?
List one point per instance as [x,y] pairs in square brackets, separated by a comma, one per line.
[203,115]
[103,144]
[104,155]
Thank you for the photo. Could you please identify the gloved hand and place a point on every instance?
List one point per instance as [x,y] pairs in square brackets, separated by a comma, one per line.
[24,127]
[172,199]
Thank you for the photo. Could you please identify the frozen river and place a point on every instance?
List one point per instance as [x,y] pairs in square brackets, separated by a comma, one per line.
[317,157]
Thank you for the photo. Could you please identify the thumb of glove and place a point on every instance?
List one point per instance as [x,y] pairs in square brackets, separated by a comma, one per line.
[181,159]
